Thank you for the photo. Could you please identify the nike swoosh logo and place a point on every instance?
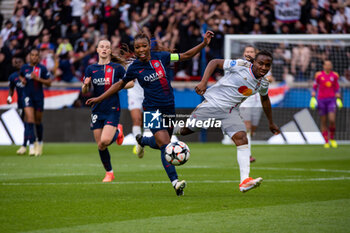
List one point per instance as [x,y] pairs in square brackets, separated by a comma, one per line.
[94,71]
[141,71]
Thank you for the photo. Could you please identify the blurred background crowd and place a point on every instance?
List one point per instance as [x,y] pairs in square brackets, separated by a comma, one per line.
[66,31]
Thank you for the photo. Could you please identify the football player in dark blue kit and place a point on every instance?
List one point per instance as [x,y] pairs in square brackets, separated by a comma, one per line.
[105,115]
[34,75]
[15,83]
[150,70]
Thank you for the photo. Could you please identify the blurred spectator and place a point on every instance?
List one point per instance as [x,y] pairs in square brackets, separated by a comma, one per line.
[65,16]
[300,62]
[64,47]
[18,16]
[21,35]
[46,44]
[47,52]
[279,65]
[73,33]
[77,11]
[113,21]
[65,68]
[339,55]
[7,30]
[82,44]
[5,61]
[33,26]
[341,19]
[1,20]
[216,48]
[318,56]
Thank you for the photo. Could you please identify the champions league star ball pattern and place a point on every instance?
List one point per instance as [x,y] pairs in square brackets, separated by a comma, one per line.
[177,153]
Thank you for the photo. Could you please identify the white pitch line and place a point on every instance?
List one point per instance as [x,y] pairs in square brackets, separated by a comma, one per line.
[301,169]
[167,182]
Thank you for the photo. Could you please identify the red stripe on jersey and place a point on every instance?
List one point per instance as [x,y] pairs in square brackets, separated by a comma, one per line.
[36,71]
[109,72]
[158,67]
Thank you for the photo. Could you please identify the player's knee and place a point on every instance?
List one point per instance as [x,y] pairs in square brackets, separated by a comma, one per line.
[30,120]
[102,145]
[240,138]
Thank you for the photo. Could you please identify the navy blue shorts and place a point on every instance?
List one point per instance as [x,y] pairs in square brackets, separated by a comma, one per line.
[36,103]
[168,114]
[99,120]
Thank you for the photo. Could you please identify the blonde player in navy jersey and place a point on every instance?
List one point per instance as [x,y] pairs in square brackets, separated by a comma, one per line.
[241,80]
[105,115]
[150,69]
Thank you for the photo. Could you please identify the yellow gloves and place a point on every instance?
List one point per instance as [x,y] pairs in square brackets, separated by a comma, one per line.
[339,103]
[313,103]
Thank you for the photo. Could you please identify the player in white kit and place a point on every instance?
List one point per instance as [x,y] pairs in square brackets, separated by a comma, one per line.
[135,99]
[241,80]
[251,108]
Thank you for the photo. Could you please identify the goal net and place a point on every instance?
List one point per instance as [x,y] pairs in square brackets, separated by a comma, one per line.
[296,60]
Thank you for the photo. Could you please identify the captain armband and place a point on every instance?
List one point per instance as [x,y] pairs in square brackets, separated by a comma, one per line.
[174,57]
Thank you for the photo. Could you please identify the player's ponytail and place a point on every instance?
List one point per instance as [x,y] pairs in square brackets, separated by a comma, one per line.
[118,59]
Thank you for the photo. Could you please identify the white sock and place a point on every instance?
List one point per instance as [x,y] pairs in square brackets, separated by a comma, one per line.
[136,130]
[249,137]
[174,182]
[31,146]
[243,154]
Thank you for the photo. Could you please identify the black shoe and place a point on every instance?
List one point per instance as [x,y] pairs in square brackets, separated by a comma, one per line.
[139,138]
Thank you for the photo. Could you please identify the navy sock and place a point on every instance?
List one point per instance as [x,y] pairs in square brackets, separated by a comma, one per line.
[170,169]
[25,139]
[105,159]
[31,134]
[149,141]
[39,131]
[115,137]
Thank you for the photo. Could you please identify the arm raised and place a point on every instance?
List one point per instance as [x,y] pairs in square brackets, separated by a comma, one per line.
[192,52]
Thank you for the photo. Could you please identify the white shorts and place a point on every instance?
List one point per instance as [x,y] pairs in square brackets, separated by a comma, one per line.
[231,121]
[135,97]
[251,114]
[251,109]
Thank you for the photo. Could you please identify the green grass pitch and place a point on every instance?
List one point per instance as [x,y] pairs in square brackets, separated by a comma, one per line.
[305,189]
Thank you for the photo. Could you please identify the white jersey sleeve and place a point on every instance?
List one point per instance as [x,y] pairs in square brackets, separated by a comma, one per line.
[264,86]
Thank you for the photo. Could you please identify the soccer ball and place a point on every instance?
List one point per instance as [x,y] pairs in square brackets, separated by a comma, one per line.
[177,153]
